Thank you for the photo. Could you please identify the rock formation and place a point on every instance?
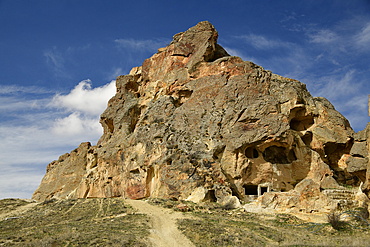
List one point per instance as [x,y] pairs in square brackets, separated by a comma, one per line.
[195,123]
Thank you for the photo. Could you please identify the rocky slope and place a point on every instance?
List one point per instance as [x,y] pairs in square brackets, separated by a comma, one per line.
[196,123]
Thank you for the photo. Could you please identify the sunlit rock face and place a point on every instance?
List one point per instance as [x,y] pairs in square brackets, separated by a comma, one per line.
[195,123]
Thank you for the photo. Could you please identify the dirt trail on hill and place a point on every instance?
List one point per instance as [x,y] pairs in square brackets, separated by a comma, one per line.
[164,230]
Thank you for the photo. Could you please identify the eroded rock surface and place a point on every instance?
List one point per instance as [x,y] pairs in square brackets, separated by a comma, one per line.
[195,123]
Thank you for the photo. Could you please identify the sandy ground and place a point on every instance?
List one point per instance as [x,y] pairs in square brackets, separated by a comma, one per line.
[164,230]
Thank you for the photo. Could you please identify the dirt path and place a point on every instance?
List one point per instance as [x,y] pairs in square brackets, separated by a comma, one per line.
[164,230]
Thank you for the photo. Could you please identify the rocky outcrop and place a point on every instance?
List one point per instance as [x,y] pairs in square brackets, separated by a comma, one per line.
[195,123]
[364,137]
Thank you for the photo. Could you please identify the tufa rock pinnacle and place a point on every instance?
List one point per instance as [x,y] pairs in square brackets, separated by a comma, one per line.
[195,123]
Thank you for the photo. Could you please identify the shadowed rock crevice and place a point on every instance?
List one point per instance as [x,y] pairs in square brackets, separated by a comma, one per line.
[307,138]
[301,123]
[251,152]
[279,155]
[134,116]
[181,97]
[107,124]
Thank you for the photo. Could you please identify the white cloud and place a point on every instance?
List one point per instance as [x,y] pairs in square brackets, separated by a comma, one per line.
[337,86]
[323,36]
[362,39]
[141,45]
[83,105]
[355,110]
[15,89]
[114,72]
[10,103]
[261,42]
[85,99]
[346,38]
[12,98]
[35,132]
[281,57]
[19,183]
[75,124]
[347,91]
[234,52]
[55,60]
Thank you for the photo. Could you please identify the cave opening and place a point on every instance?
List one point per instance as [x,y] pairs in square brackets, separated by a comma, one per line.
[107,124]
[307,138]
[334,151]
[275,155]
[255,190]
[251,153]
[301,123]
[291,156]
[279,155]
[210,196]
[250,189]
[263,190]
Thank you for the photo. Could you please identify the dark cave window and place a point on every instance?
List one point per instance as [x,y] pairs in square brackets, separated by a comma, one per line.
[307,138]
[291,156]
[263,190]
[251,153]
[301,123]
[210,196]
[251,189]
[135,171]
[275,155]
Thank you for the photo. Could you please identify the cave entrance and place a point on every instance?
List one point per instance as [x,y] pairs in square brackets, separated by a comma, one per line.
[255,190]
[264,189]
[301,123]
[251,190]
[210,196]
[279,155]
[251,153]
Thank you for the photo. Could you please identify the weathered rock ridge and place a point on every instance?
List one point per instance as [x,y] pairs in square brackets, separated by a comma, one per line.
[195,123]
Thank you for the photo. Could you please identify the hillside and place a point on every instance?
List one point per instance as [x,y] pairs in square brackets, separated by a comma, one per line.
[114,222]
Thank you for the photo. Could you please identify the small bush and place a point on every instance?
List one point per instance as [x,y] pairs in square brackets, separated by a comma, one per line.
[334,220]
[362,213]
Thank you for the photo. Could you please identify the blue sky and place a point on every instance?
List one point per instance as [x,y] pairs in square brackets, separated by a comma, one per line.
[59,59]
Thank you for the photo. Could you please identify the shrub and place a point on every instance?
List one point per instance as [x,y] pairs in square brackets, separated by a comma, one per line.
[334,220]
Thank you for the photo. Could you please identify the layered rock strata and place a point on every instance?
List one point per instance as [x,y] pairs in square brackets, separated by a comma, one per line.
[195,123]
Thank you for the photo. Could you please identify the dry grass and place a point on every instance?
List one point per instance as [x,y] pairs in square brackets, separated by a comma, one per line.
[213,225]
[8,205]
[82,222]
[110,222]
